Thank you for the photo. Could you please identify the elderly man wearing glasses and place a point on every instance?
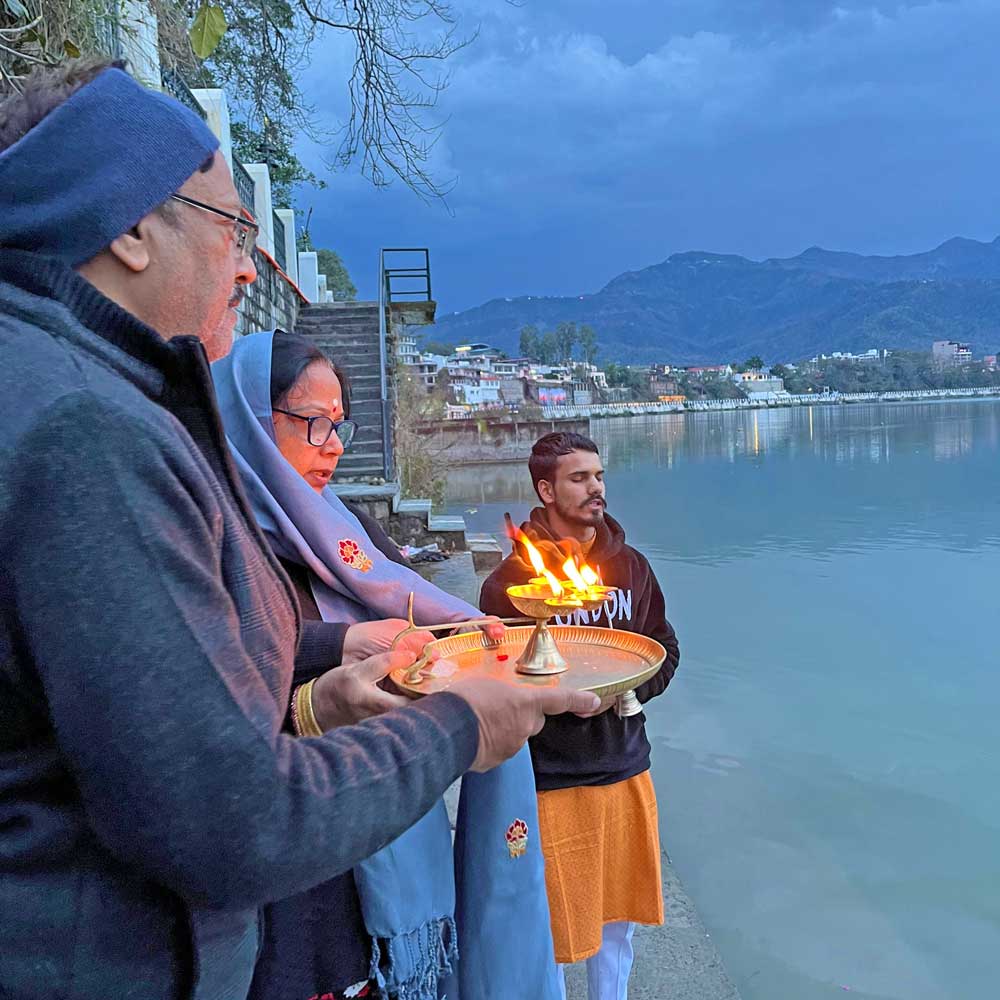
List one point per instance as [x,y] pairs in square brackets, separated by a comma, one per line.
[150,800]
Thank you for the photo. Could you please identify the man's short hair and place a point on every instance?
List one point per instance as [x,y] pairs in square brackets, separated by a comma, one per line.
[47,88]
[549,449]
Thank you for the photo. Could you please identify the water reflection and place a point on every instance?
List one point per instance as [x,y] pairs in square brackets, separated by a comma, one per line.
[823,759]
[715,486]
[843,434]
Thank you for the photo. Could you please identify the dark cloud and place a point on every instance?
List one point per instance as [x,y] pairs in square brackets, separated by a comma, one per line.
[584,146]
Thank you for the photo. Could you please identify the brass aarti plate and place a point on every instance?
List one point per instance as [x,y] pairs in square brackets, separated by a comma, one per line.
[609,662]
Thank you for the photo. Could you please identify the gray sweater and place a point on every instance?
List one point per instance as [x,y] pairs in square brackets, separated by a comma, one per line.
[149,803]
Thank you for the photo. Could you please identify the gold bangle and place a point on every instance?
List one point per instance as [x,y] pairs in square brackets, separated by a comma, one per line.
[308,724]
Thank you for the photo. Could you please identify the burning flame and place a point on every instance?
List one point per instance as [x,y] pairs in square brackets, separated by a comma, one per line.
[534,556]
[582,579]
[574,575]
[536,560]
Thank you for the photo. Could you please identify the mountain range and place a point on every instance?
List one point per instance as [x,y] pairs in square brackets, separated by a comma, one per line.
[700,307]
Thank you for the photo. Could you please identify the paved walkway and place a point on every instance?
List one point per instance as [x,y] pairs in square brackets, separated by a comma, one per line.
[677,961]
[456,575]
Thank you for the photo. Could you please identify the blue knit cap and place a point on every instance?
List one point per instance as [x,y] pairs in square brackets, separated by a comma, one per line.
[96,165]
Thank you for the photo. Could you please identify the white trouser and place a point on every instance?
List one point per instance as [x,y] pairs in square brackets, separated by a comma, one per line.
[608,970]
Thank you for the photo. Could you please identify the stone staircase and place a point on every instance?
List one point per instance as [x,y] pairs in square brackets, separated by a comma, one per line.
[411,522]
[348,332]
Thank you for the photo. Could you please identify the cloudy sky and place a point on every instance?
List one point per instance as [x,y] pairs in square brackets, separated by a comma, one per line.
[589,137]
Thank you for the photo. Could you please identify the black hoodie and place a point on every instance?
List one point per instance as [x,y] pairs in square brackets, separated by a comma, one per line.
[570,751]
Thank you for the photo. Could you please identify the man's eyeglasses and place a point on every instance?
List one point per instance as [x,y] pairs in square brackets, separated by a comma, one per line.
[246,230]
[320,429]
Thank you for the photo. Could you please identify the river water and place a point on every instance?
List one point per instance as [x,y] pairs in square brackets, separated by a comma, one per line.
[826,758]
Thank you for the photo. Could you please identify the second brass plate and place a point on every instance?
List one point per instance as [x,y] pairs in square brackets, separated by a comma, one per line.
[605,661]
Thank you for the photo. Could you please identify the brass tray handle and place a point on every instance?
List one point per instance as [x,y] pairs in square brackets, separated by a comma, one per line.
[414,674]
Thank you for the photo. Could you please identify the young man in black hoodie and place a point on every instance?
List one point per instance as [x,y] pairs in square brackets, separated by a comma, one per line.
[597,808]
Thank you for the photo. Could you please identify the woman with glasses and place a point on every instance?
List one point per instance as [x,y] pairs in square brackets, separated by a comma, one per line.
[388,928]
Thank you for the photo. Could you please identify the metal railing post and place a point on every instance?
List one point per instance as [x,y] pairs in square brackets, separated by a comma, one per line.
[383,305]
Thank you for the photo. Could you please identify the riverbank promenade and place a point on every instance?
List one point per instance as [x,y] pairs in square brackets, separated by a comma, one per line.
[762,401]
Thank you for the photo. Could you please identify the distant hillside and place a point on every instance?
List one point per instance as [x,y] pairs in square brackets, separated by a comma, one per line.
[702,307]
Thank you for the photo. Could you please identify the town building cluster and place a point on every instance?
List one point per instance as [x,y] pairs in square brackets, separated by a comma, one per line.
[481,377]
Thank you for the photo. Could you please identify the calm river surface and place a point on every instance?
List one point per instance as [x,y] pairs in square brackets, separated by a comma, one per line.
[826,759]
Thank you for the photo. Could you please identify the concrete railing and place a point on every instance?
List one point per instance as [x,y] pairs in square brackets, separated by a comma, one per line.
[608,410]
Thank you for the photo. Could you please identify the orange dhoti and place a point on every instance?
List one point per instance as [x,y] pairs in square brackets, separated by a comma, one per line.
[602,861]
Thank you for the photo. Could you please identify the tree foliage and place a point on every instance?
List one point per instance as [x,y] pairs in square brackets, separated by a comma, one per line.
[548,348]
[557,346]
[422,461]
[565,337]
[901,370]
[587,340]
[338,281]
[528,342]
[437,347]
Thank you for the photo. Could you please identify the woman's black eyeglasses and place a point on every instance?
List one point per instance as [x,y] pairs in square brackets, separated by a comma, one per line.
[246,230]
[320,429]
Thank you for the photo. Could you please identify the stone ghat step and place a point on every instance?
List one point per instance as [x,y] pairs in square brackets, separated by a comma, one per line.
[329,341]
[352,354]
[342,304]
[335,319]
[370,451]
[332,315]
[340,316]
[364,470]
[366,412]
[413,507]
[444,522]
[363,382]
[337,333]
[355,327]
[351,362]
[335,328]
[487,553]
[365,321]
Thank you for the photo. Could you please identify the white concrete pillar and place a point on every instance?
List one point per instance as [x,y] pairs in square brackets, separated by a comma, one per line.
[217,117]
[262,204]
[287,216]
[139,33]
[321,289]
[309,276]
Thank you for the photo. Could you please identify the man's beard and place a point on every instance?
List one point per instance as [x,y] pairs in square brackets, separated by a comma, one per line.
[219,342]
[581,513]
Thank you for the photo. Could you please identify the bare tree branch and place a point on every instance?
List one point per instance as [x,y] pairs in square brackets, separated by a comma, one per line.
[396,77]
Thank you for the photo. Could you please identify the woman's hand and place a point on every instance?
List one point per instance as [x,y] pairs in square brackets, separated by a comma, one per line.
[350,693]
[490,626]
[368,638]
[493,628]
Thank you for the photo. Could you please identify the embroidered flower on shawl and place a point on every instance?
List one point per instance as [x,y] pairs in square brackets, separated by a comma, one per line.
[355,556]
[517,838]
